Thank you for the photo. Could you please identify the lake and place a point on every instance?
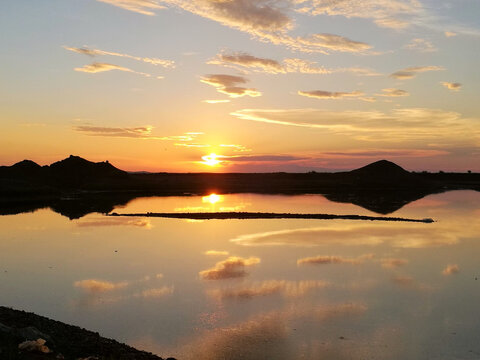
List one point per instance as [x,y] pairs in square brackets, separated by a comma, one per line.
[256,289]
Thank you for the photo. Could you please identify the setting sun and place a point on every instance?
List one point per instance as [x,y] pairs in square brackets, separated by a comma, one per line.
[211,160]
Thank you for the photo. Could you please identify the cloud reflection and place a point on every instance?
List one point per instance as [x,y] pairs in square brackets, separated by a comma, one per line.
[266,288]
[451,269]
[233,267]
[411,236]
[268,336]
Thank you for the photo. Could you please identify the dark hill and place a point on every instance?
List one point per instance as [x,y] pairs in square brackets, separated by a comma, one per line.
[24,168]
[75,172]
[77,166]
[381,168]
[385,174]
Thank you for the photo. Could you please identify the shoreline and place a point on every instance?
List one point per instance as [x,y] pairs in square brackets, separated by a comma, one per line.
[62,341]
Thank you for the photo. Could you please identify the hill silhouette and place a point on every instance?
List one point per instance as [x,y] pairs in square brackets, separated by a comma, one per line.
[72,186]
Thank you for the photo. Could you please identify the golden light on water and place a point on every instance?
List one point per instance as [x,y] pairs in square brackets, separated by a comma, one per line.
[212,199]
[211,160]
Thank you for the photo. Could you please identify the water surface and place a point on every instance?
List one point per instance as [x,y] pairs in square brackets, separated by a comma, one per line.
[256,289]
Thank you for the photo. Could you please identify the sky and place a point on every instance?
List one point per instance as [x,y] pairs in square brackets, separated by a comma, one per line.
[241,85]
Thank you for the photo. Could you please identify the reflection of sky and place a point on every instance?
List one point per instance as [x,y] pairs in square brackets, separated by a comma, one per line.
[384,290]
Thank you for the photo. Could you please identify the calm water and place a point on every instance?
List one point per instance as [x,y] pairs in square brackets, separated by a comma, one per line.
[257,289]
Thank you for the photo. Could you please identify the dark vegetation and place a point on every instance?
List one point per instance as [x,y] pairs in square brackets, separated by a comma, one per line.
[75,187]
[264,215]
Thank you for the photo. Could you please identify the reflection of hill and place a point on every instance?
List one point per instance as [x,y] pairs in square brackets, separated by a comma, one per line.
[382,186]
[73,208]
[378,202]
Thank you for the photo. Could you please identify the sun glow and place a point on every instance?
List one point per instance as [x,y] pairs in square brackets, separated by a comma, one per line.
[211,160]
[212,199]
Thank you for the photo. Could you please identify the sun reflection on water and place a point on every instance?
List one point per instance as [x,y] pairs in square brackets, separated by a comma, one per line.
[212,199]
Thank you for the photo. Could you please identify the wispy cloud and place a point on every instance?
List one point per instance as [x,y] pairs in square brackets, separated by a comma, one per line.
[411,72]
[391,263]
[216,101]
[97,67]
[235,147]
[449,34]
[216,253]
[391,92]
[229,85]
[421,45]
[192,145]
[321,94]
[395,14]
[96,52]
[267,21]
[397,125]
[141,132]
[144,7]
[451,86]
[248,61]
[233,267]
[243,61]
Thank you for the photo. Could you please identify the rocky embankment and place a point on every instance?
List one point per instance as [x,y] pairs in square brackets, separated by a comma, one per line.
[28,336]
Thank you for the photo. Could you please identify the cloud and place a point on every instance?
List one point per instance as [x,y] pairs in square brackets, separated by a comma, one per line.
[143,7]
[97,52]
[381,153]
[359,235]
[228,84]
[267,288]
[395,14]
[411,72]
[320,94]
[267,21]
[249,61]
[451,269]
[141,132]
[421,45]
[216,101]
[235,147]
[288,65]
[233,267]
[97,67]
[96,286]
[449,34]
[452,86]
[391,92]
[330,42]
[390,263]
[216,252]
[192,145]
[401,124]
[262,158]
[245,15]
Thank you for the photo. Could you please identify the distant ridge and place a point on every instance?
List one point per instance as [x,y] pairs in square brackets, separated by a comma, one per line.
[75,186]
[73,172]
